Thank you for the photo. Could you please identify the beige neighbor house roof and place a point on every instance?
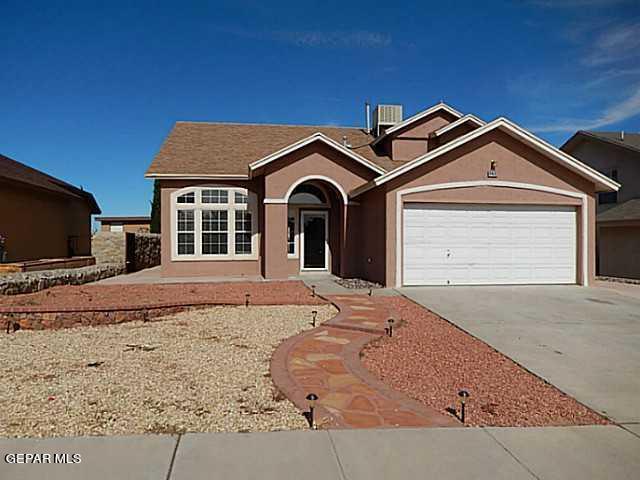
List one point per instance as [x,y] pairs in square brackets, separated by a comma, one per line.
[199,148]
[14,171]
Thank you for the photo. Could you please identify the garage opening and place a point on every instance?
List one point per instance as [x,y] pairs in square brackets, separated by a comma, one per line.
[463,244]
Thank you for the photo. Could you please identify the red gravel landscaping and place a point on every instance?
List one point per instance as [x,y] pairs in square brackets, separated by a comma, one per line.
[92,297]
[430,360]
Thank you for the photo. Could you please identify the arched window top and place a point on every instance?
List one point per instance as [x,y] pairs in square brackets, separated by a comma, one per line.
[307,194]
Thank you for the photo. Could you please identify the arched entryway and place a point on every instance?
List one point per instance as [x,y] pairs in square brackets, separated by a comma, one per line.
[315,226]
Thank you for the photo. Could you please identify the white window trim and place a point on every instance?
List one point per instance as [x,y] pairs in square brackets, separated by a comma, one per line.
[295,213]
[230,207]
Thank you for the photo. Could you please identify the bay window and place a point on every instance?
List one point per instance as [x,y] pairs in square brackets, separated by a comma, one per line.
[214,223]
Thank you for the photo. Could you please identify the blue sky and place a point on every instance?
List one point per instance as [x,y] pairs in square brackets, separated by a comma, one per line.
[88,90]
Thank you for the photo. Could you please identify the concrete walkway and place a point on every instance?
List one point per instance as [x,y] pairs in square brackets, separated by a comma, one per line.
[599,452]
[325,361]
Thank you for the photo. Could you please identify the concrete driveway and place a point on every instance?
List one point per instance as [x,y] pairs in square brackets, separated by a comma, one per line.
[585,341]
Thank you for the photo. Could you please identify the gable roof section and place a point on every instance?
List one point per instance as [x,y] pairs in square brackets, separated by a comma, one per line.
[515,131]
[225,150]
[626,211]
[15,171]
[418,116]
[631,140]
[316,137]
[468,118]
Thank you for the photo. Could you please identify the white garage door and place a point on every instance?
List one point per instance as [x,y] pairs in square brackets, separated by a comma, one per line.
[447,244]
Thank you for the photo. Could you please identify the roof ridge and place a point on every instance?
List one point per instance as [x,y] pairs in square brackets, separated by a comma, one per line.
[255,124]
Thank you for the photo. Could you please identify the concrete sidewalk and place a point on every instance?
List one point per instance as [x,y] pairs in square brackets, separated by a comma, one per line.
[590,452]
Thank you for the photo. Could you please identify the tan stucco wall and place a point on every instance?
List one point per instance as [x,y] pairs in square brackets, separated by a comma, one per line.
[515,162]
[314,160]
[412,141]
[619,250]
[37,223]
[183,268]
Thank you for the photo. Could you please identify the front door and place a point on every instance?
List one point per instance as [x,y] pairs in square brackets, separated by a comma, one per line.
[314,239]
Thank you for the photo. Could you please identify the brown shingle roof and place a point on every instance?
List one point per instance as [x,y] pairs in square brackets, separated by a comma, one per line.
[629,210]
[197,148]
[19,172]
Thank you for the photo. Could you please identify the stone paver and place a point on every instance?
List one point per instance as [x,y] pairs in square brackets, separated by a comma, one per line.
[325,361]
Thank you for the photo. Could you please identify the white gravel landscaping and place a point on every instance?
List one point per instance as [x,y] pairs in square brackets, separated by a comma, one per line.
[199,371]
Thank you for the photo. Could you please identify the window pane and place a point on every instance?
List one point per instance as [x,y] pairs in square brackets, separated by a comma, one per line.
[214,244]
[291,235]
[240,198]
[243,221]
[187,198]
[215,196]
[186,242]
[185,221]
[243,232]
[243,243]
[214,220]
[214,232]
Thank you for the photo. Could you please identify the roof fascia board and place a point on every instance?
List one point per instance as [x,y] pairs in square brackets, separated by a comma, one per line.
[418,116]
[467,118]
[541,145]
[196,176]
[308,140]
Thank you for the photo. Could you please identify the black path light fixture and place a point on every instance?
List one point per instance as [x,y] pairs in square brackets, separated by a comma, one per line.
[463,394]
[389,328]
[312,398]
[313,290]
[246,299]
[370,291]
[315,314]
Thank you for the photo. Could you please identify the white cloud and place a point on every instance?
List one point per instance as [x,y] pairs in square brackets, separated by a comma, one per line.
[614,44]
[357,39]
[630,107]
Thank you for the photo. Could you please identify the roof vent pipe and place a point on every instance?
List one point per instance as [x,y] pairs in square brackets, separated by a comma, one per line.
[367,114]
[622,135]
[345,142]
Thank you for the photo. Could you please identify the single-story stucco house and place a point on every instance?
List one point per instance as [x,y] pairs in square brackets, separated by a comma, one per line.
[439,198]
[41,216]
[131,224]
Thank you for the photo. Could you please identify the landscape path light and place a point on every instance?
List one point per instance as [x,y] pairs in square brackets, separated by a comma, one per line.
[312,398]
[463,394]
[246,299]
[315,314]
[313,290]
[390,323]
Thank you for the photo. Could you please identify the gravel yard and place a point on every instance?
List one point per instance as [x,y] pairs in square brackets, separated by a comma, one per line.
[431,360]
[199,371]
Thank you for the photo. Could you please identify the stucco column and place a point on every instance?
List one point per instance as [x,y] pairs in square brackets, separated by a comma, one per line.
[343,240]
[275,240]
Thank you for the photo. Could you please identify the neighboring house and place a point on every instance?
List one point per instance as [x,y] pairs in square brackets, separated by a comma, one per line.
[617,155]
[439,198]
[41,216]
[124,224]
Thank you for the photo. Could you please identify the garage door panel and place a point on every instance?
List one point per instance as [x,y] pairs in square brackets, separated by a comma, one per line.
[488,244]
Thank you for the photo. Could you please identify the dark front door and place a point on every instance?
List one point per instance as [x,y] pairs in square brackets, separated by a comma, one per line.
[314,226]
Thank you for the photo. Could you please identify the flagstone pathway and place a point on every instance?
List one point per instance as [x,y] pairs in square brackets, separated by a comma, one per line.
[325,361]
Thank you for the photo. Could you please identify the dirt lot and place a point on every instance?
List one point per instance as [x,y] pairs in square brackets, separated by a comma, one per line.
[105,296]
[431,360]
[199,371]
